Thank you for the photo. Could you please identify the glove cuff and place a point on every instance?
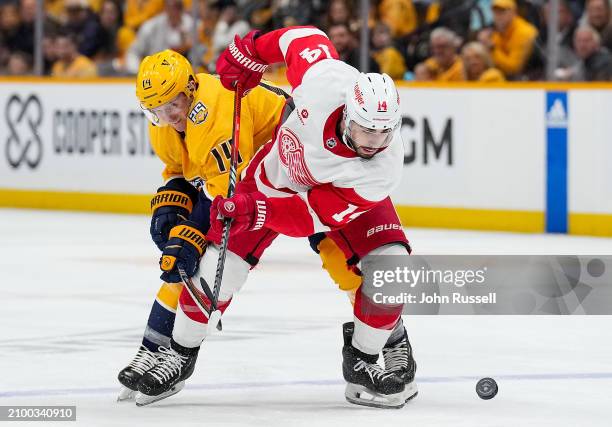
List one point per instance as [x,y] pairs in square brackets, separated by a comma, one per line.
[171,198]
[249,62]
[262,210]
[190,234]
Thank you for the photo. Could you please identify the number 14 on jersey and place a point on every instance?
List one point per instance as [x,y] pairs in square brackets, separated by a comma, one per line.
[311,55]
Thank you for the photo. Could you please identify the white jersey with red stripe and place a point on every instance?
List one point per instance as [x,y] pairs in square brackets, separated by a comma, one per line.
[308,162]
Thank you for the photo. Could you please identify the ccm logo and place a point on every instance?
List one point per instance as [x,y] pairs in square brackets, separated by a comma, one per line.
[383,227]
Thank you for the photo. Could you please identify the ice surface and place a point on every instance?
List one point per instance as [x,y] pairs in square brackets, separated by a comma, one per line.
[76,291]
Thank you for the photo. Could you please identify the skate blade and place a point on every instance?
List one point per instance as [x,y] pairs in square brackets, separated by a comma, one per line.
[360,395]
[144,399]
[410,392]
[126,395]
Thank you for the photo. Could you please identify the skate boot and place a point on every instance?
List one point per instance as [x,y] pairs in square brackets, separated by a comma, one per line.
[167,378]
[368,384]
[398,358]
[129,376]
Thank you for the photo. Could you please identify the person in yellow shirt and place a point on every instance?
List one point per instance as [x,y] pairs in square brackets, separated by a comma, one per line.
[138,11]
[444,65]
[191,127]
[399,15]
[389,59]
[478,64]
[55,9]
[70,63]
[512,39]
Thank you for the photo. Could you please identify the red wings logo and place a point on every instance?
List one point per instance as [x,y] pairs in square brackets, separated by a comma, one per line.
[291,153]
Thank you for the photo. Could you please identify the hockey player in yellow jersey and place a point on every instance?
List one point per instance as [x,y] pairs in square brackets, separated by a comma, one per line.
[192,117]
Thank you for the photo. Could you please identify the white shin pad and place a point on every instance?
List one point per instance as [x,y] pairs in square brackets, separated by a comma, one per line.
[189,333]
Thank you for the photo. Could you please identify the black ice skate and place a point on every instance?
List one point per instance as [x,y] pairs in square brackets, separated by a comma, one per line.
[129,376]
[167,378]
[398,358]
[368,384]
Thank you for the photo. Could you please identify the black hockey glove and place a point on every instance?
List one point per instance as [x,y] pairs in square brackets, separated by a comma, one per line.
[185,247]
[172,204]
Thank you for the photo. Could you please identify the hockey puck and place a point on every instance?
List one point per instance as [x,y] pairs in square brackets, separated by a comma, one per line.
[486,388]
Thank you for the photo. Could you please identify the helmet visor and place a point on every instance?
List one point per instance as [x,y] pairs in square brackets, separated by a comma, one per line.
[152,117]
[370,139]
[172,112]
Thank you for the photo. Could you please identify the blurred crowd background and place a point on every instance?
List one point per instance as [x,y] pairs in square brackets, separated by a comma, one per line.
[422,40]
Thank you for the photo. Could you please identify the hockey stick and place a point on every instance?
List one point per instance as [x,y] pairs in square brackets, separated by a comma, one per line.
[215,314]
[195,294]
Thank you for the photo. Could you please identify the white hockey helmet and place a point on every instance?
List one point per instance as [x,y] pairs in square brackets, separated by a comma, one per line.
[373,104]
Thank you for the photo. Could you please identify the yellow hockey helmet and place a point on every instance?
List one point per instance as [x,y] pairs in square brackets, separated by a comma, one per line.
[163,76]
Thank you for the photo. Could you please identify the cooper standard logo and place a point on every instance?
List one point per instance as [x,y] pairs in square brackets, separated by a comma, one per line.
[23,118]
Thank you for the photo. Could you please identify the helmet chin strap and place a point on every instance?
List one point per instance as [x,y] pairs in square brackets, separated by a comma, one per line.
[346,138]
[348,141]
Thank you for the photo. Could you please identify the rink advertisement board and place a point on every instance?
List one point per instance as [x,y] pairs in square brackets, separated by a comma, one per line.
[75,145]
[589,162]
[475,157]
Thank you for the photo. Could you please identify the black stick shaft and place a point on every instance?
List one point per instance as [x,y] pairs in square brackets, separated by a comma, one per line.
[235,144]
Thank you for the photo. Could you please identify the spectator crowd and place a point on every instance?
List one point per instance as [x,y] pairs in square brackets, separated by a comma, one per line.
[422,40]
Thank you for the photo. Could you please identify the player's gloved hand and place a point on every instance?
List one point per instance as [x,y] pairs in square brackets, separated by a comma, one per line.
[184,249]
[249,212]
[172,204]
[239,63]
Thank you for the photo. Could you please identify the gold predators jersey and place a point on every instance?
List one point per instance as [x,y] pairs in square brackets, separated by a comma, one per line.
[202,157]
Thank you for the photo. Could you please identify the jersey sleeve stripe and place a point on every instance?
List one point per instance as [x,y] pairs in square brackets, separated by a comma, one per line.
[291,35]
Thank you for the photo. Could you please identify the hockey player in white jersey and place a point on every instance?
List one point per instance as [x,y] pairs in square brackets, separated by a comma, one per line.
[330,168]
